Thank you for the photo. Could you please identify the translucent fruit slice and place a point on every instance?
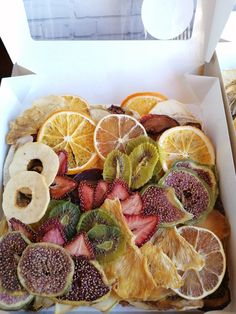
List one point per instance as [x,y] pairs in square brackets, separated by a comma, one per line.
[142,102]
[164,203]
[117,165]
[185,142]
[72,132]
[199,284]
[179,250]
[114,132]
[132,144]
[143,160]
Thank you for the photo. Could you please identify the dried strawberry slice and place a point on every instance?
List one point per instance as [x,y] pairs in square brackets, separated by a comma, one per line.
[62,186]
[119,189]
[132,205]
[52,232]
[80,245]
[100,193]
[63,162]
[86,195]
[143,227]
[18,225]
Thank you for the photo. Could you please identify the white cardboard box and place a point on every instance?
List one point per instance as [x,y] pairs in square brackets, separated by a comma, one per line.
[107,71]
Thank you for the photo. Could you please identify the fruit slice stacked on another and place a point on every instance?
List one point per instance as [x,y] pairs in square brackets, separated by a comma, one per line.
[73,132]
[199,284]
[143,102]
[114,131]
[185,142]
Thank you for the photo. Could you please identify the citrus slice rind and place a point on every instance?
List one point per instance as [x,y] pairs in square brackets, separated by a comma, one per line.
[199,284]
[114,132]
[185,142]
[143,102]
[73,132]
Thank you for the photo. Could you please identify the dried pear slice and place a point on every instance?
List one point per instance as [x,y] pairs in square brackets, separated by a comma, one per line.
[181,253]
[161,267]
[26,197]
[33,153]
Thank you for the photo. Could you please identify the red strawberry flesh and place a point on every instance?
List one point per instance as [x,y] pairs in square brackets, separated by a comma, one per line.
[61,187]
[52,232]
[80,245]
[86,195]
[17,225]
[132,205]
[143,227]
[119,189]
[63,162]
[100,193]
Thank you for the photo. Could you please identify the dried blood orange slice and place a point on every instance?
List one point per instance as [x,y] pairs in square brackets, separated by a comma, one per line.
[199,284]
[114,132]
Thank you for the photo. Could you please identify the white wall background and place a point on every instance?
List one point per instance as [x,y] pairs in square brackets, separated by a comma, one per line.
[85,19]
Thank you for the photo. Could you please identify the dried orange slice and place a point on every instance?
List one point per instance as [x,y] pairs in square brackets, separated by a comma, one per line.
[114,132]
[73,132]
[199,284]
[142,102]
[185,142]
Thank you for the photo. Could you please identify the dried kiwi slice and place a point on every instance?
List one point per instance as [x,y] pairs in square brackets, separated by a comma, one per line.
[103,233]
[193,193]
[117,165]
[108,242]
[68,214]
[132,144]
[143,159]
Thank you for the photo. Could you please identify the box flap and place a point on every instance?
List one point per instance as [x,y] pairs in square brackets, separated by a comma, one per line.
[80,56]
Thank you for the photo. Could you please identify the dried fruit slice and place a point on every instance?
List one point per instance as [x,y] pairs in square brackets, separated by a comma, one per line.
[108,304]
[45,269]
[89,284]
[73,132]
[155,124]
[104,234]
[17,225]
[193,193]
[31,154]
[185,142]
[92,176]
[217,223]
[51,232]
[114,132]
[132,205]
[164,203]
[142,102]
[204,172]
[14,301]
[143,160]
[68,214]
[119,189]
[132,144]
[182,253]
[86,195]
[63,162]
[162,268]
[100,193]
[80,245]
[199,284]
[26,197]
[12,246]
[62,186]
[143,227]
[117,165]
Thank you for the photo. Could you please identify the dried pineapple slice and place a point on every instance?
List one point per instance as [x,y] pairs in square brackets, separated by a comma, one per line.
[161,267]
[131,283]
[181,253]
[31,119]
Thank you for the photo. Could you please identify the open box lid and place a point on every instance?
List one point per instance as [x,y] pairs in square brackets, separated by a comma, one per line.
[47,56]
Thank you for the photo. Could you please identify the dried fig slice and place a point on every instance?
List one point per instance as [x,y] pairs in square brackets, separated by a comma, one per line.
[45,269]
